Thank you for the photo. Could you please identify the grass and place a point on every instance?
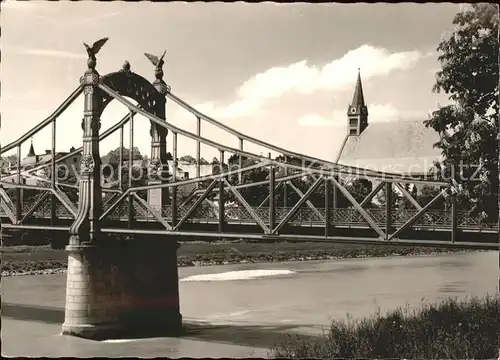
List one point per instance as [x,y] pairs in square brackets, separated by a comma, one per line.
[451,329]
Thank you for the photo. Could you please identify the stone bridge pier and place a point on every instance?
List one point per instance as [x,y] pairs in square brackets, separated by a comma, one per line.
[118,287]
[123,289]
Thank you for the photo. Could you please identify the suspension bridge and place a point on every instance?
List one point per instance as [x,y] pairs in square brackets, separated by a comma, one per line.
[115,285]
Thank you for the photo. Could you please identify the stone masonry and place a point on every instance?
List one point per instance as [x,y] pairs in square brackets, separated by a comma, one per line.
[123,288]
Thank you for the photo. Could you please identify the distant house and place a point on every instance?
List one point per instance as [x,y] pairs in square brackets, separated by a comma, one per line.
[69,166]
[4,166]
[187,170]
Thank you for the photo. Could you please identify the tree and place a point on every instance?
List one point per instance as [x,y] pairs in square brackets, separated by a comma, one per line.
[10,158]
[233,159]
[204,162]
[188,158]
[405,203]
[360,188]
[114,155]
[256,194]
[468,128]
[294,160]
[427,193]
[395,198]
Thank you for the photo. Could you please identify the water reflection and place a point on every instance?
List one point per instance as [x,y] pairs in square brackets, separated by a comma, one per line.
[452,288]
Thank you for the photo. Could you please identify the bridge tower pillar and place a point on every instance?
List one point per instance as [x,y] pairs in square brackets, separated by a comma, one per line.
[158,167]
[114,288]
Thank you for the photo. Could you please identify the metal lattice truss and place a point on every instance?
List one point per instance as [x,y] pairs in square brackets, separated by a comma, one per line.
[128,206]
[49,202]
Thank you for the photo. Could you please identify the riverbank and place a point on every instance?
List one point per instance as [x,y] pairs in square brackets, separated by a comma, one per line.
[35,260]
[467,329]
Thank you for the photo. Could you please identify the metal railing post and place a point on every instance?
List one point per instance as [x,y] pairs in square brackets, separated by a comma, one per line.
[198,149]
[240,163]
[453,221]
[174,179]
[18,189]
[221,195]
[272,195]
[130,173]
[53,174]
[388,209]
[327,207]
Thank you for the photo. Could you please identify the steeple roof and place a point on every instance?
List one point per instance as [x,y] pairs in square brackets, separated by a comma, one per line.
[32,150]
[358,99]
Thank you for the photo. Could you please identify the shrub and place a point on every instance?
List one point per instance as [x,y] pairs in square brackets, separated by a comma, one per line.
[451,329]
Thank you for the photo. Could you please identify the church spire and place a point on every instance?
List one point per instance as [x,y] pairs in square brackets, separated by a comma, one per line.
[358,100]
[32,150]
[357,112]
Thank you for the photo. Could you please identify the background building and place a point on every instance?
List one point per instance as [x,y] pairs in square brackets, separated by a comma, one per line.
[66,168]
[402,147]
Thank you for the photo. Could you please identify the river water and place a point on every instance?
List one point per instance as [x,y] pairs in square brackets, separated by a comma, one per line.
[243,308]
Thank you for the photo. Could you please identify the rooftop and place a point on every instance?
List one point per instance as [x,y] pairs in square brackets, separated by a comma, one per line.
[399,146]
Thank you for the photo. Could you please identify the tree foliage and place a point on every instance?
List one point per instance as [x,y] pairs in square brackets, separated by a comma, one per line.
[404,203]
[468,128]
[427,193]
[114,155]
[188,159]
[469,59]
[396,197]
[360,188]
[191,159]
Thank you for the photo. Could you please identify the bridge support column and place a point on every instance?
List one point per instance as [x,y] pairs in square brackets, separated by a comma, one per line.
[122,289]
[158,166]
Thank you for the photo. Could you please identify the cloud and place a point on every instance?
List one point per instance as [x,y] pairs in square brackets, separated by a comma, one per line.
[383,113]
[316,120]
[302,78]
[50,53]
[377,113]
[99,17]
[12,4]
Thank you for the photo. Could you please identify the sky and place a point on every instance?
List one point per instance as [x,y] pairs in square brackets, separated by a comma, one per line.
[283,73]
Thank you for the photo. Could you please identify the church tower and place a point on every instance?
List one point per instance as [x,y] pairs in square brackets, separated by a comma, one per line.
[357,112]
[32,150]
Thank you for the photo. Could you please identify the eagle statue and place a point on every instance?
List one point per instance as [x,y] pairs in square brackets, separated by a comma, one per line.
[158,63]
[92,51]
[154,59]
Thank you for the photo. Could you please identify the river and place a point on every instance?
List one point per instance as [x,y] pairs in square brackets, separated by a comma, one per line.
[240,310]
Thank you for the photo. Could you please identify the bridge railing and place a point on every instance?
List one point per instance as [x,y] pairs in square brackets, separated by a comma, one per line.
[435,219]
